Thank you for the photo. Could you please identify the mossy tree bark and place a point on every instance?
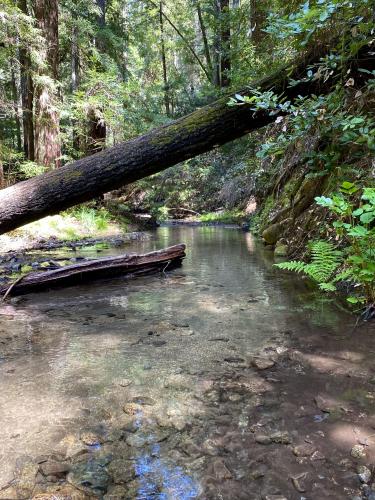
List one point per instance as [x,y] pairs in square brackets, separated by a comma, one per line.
[161,148]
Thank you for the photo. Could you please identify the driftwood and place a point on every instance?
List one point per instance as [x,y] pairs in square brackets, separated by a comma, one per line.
[131,264]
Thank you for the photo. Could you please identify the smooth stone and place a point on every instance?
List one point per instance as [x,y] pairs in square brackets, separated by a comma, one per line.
[91,476]
[262,363]
[303,450]
[364,473]
[281,250]
[52,468]
[323,404]
[263,439]
[143,400]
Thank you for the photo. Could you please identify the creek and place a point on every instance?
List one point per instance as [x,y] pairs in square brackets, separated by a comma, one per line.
[115,387]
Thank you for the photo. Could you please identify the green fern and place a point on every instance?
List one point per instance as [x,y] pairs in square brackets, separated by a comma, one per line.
[325,260]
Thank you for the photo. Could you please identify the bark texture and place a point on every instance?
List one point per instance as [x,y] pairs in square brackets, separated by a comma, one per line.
[27,96]
[47,133]
[161,148]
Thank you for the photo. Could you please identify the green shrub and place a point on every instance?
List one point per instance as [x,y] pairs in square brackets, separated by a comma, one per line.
[354,226]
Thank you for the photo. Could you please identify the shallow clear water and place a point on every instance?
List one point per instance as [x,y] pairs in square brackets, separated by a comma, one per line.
[75,357]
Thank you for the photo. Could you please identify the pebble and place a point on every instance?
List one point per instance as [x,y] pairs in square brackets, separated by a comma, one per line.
[262,363]
[298,482]
[323,404]
[281,437]
[143,400]
[90,438]
[303,450]
[263,439]
[358,451]
[52,468]
[317,455]
[364,473]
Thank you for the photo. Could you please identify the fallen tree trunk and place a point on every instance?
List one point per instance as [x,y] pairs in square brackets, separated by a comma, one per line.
[133,264]
[161,148]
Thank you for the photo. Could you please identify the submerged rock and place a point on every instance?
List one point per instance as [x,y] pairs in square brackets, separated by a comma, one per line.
[364,474]
[25,475]
[91,438]
[262,363]
[358,451]
[89,476]
[53,468]
[263,439]
[281,249]
[60,492]
[303,450]
[121,471]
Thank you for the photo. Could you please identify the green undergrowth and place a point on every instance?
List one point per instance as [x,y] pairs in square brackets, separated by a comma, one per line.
[224,217]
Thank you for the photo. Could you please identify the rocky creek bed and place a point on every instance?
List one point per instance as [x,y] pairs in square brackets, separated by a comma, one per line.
[223,380]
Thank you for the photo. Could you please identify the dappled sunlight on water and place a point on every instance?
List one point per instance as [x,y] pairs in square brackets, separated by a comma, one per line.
[78,355]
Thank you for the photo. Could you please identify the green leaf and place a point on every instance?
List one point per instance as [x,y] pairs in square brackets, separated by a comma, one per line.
[358,231]
[367,217]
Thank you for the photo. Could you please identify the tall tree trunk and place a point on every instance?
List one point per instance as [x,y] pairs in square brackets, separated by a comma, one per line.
[47,132]
[204,38]
[15,95]
[75,78]
[161,148]
[27,96]
[164,62]
[258,19]
[216,45]
[97,129]
[225,63]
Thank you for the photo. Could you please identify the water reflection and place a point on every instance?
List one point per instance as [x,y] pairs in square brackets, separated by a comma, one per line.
[162,481]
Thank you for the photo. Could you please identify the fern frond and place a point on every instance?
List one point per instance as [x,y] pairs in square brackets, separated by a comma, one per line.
[327,287]
[297,266]
[325,260]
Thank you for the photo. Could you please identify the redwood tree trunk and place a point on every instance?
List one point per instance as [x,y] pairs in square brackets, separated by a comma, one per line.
[47,133]
[27,96]
[202,130]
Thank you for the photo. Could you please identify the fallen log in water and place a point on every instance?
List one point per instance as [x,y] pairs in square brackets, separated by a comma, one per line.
[132,263]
